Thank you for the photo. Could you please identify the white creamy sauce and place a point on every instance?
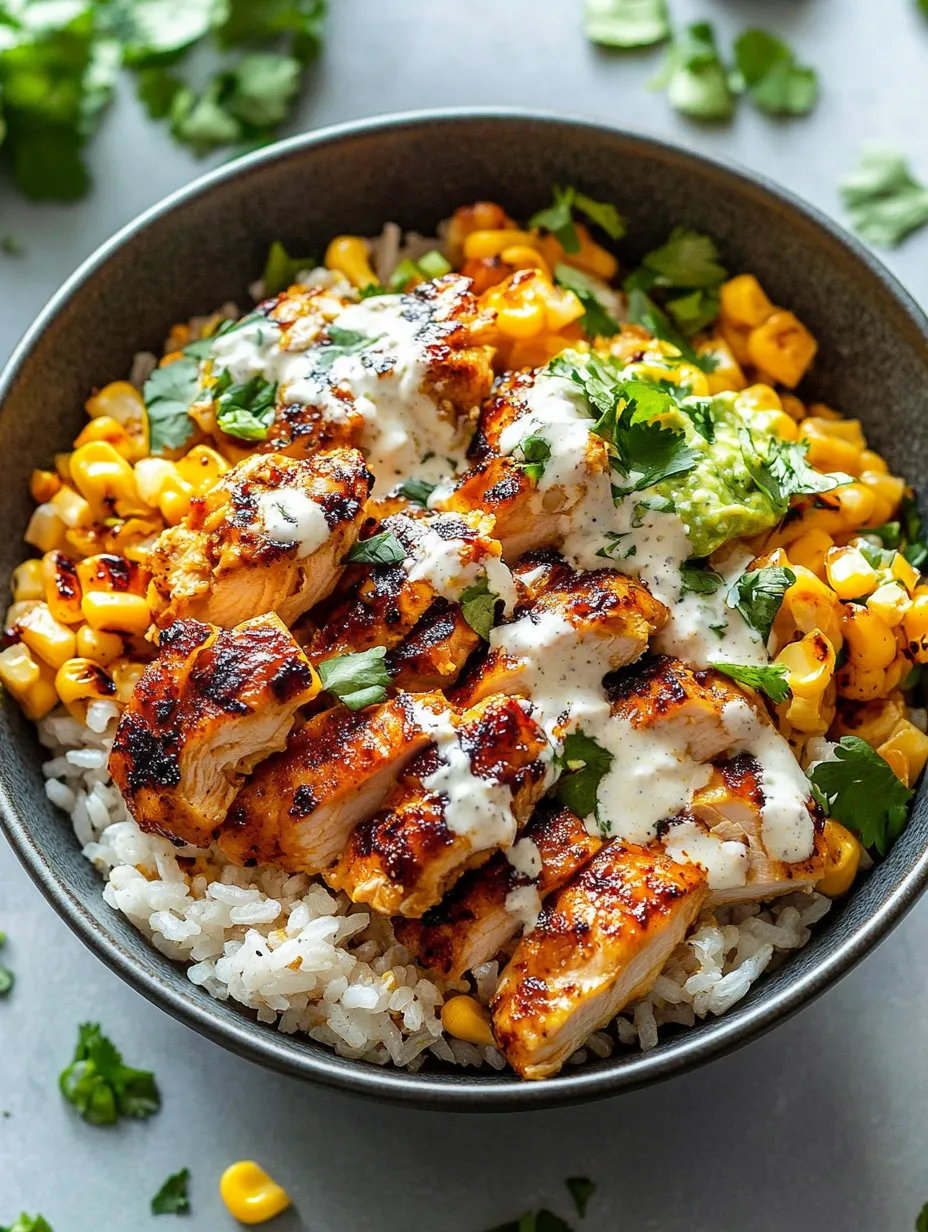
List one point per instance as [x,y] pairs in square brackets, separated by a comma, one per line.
[289,517]
[524,902]
[703,629]
[450,564]
[724,861]
[525,858]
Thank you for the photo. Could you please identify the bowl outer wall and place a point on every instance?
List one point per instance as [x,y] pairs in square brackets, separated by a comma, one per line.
[204,244]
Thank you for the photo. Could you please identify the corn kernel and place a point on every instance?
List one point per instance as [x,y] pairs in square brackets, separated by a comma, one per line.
[861,684]
[102,648]
[905,572]
[849,574]
[912,745]
[73,510]
[349,256]
[592,257]
[809,663]
[521,256]
[727,373]
[466,1019]
[842,860]
[81,681]
[744,302]
[890,602]
[27,581]
[808,605]
[105,428]
[828,452]
[783,347]
[18,670]
[126,674]
[889,488]
[43,485]
[915,627]
[202,468]
[103,478]
[480,244]
[561,308]
[250,1195]
[870,461]
[758,398]
[108,572]
[898,764]
[809,715]
[46,529]
[62,588]
[116,613]
[63,466]
[736,339]
[123,403]
[870,641]
[481,216]
[810,549]
[794,407]
[46,637]
[779,424]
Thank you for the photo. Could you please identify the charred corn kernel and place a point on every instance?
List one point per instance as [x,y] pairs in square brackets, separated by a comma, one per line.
[116,613]
[842,859]
[794,407]
[758,398]
[46,637]
[202,468]
[525,320]
[829,452]
[849,574]
[915,628]
[842,510]
[103,478]
[72,508]
[912,745]
[62,587]
[46,529]
[809,663]
[744,301]
[80,681]
[348,255]
[494,243]
[890,602]
[727,373]
[123,403]
[105,428]
[43,485]
[889,488]
[18,670]
[126,674]
[861,684]
[808,605]
[736,339]
[870,461]
[481,216]
[466,1019]
[810,549]
[111,573]
[535,352]
[905,572]
[592,257]
[898,669]
[870,641]
[102,648]
[783,347]
[28,581]
[16,611]
[809,715]
[250,1195]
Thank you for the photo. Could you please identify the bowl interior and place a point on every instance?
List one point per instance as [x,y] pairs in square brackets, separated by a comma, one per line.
[209,242]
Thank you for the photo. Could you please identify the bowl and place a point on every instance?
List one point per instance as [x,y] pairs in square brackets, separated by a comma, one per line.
[204,245]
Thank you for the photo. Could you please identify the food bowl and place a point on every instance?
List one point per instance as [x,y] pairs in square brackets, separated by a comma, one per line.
[204,245]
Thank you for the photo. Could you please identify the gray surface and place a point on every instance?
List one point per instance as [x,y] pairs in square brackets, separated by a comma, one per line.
[820,1126]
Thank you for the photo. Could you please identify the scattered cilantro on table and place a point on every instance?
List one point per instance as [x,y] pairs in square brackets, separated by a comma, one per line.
[100,1086]
[28,1223]
[884,201]
[861,790]
[626,23]
[6,975]
[773,79]
[921,1222]
[695,78]
[171,1198]
[478,607]
[584,763]
[358,680]
[581,1189]
[382,549]
[770,679]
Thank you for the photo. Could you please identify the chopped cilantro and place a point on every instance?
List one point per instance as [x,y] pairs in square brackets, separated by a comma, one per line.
[696,80]
[696,578]
[168,394]
[171,1198]
[153,31]
[884,201]
[597,320]
[245,410]
[757,595]
[531,454]
[6,976]
[417,490]
[771,75]
[613,548]
[341,342]
[687,262]
[245,22]
[100,1086]
[281,270]
[695,310]
[702,417]
[627,23]
[889,534]
[642,310]
[650,452]
[783,470]
[921,1223]
[11,247]
[860,789]
[157,88]
[581,1189]
[382,549]
[433,264]
[478,607]
[558,218]
[770,680]
[358,680]
[915,550]
[29,1223]
[585,763]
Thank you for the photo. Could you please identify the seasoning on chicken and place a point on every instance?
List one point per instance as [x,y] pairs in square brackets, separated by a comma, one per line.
[213,704]
[599,943]
[269,537]
[434,653]
[299,809]
[453,807]
[480,915]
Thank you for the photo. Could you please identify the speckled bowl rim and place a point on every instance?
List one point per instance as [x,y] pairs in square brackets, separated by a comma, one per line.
[467,1091]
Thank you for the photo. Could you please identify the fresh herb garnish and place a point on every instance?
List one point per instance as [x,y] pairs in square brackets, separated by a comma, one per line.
[774,80]
[358,680]
[29,1223]
[478,607]
[531,454]
[627,23]
[757,595]
[558,218]
[696,80]
[7,978]
[915,550]
[581,1189]
[597,320]
[921,1223]
[100,1086]
[169,393]
[884,201]
[696,578]
[341,342]
[860,789]
[171,1198]
[889,534]
[782,471]
[687,262]
[612,550]
[245,410]
[382,549]
[585,763]
[281,270]
[770,679]
[417,490]
[702,417]
[642,310]
[11,247]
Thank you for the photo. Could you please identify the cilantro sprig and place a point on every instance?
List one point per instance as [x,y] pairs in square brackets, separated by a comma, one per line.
[758,595]
[696,79]
[532,454]
[697,578]
[861,790]
[417,490]
[558,218]
[581,1189]
[685,274]
[28,1223]
[357,680]
[626,23]
[884,201]
[245,410]
[770,679]
[597,320]
[478,607]
[382,549]
[172,1197]
[100,1086]
[584,763]
[774,80]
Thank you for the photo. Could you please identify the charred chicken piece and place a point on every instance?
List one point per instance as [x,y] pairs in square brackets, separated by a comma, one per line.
[599,943]
[435,652]
[211,706]
[269,537]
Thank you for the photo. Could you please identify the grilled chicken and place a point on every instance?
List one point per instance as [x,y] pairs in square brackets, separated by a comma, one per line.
[455,804]
[299,809]
[213,704]
[598,944]
[269,537]
[435,652]
[479,917]
[502,488]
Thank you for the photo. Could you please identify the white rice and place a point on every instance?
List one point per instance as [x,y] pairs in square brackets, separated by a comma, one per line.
[313,962]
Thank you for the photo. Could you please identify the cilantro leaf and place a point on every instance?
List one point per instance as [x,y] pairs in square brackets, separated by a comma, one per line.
[695,310]
[702,416]
[861,791]
[921,1223]
[357,680]
[642,310]
[101,1087]
[915,550]
[281,270]
[585,763]
[687,261]
[597,320]
[157,89]
[241,22]
[382,549]
[602,213]
[156,30]
[627,23]
[245,410]
[202,121]
[558,218]
[6,976]
[758,594]
[531,454]
[884,201]
[171,1198]
[341,342]
[168,394]
[417,490]
[696,578]
[478,607]
[770,679]
[696,80]
[581,1190]
[774,80]
[652,452]
[782,471]
[261,88]
[29,1223]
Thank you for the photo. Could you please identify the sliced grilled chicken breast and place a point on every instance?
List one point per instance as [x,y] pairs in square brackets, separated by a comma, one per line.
[453,807]
[300,808]
[435,651]
[479,916]
[212,705]
[269,537]
[598,944]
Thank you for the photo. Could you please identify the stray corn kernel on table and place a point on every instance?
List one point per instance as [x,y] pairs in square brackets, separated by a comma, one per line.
[726,1147]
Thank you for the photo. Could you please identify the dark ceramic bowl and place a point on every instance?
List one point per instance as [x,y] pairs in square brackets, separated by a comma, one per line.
[206,243]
